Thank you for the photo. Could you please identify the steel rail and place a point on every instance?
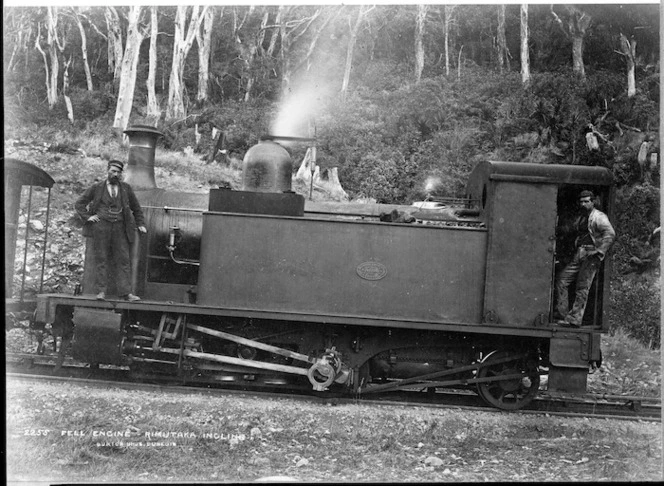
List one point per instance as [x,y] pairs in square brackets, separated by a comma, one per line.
[464,400]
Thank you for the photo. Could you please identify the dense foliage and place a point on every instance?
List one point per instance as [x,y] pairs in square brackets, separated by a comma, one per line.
[388,134]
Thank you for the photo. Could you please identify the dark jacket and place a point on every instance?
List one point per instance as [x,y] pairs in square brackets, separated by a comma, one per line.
[86,206]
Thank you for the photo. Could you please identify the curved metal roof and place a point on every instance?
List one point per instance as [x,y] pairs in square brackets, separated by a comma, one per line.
[25,174]
[545,173]
[145,129]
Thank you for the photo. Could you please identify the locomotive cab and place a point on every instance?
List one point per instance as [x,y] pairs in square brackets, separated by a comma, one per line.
[527,208]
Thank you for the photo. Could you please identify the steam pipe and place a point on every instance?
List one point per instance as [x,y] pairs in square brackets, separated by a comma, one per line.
[171,248]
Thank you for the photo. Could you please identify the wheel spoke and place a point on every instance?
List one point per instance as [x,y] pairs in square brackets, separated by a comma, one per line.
[510,394]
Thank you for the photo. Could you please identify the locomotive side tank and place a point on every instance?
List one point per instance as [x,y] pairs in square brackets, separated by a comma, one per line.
[343,269]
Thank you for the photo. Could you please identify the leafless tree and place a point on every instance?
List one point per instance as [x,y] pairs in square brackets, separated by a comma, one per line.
[419,41]
[84,47]
[354,29]
[136,32]
[114,41]
[55,46]
[525,53]
[204,41]
[575,27]
[447,22]
[628,50]
[503,51]
[153,109]
[182,42]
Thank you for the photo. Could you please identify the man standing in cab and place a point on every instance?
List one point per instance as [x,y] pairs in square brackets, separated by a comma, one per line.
[111,214]
[595,237]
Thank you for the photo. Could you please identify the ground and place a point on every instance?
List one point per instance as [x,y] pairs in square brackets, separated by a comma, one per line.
[62,432]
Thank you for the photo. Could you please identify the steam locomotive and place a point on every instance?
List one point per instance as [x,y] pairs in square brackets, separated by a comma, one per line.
[261,287]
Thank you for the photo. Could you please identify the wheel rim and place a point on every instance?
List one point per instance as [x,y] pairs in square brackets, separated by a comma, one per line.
[508,394]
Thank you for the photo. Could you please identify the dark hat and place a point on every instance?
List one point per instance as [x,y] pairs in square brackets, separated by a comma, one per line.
[586,194]
[115,163]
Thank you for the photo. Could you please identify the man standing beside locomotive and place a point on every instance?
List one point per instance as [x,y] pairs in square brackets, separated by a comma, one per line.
[595,237]
[112,214]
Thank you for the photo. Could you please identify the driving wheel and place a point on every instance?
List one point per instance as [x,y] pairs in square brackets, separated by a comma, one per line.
[513,393]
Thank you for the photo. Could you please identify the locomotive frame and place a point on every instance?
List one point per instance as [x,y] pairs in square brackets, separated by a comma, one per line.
[260,287]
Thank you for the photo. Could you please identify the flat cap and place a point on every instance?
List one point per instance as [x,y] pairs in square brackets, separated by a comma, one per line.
[586,194]
[115,163]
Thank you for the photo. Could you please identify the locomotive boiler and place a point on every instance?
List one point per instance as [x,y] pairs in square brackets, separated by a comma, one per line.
[259,286]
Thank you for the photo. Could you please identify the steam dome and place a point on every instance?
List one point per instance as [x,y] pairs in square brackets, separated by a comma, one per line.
[267,167]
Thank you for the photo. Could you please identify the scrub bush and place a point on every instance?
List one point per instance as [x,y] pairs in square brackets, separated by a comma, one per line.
[636,310]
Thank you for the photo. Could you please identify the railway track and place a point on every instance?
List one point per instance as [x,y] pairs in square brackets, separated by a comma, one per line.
[26,367]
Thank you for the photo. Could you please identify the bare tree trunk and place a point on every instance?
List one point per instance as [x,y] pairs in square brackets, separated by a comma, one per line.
[181,44]
[18,41]
[349,53]
[10,64]
[65,90]
[459,64]
[204,41]
[84,50]
[53,54]
[251,76]
[154,113]
[419,41]
[51,61]
[447,22]
[276,33]
[355,29]
[130,57]
[576,26]
[628,49]
[290,31]
[47,70]
[312,45]
[525,53]
[284,60]
[577,56]
[503,51]
[115,51]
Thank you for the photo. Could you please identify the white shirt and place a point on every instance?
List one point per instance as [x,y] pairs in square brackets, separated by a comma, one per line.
[111,187]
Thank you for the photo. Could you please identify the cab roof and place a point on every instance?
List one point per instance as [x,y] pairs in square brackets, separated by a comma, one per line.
[543,173]
[26,174]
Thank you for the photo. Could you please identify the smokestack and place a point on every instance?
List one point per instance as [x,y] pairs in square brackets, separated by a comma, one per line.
[139,172]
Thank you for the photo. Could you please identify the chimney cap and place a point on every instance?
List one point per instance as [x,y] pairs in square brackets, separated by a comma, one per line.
[143,129]
[285,138]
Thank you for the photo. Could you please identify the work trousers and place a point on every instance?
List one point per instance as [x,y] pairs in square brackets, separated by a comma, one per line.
[111,247]
[581,269]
